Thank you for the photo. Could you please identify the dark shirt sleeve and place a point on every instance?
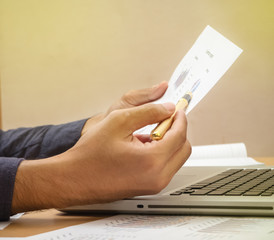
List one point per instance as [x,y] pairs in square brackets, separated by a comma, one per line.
[30,143]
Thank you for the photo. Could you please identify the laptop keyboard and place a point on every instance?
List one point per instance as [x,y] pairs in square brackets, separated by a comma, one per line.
[234,182]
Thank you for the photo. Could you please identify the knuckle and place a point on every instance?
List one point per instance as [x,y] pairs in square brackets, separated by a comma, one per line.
[128,97]
[188,148]
[158,185]
[184,116]
[182,131]
[182,138]
[113,115]
[118,117]
[183,119]
[154,111]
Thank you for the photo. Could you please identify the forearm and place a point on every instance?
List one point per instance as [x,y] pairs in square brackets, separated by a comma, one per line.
[39,185]
[45,183]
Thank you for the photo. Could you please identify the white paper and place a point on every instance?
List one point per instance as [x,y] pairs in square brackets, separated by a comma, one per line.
[209,58]
[161,227]
[12,218]
[12,238]
[210,162]
[232,150]
[206,62]
[234,154]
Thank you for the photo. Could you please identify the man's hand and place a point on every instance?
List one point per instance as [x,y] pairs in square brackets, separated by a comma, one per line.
[108,162]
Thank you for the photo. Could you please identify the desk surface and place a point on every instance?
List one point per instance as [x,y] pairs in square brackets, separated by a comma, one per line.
[37,222]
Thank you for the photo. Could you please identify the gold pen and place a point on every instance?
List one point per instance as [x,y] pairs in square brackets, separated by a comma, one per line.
[158,132]
[163,126]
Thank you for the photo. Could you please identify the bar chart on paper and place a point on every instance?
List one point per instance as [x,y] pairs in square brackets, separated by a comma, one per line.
[205,63]
[208,59]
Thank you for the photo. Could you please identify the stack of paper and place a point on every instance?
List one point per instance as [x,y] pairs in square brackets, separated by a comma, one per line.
[220,155]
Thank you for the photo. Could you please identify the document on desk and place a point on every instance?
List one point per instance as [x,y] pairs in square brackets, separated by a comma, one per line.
[205,63]
[144,227]
[233,154]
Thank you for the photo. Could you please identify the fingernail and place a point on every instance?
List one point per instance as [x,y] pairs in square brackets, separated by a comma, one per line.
[158,85]
[155,86]
[169,106]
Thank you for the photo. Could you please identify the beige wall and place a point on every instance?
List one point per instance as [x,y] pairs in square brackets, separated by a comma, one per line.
[62,60]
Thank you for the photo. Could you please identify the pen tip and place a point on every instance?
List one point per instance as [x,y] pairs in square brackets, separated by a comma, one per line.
[155,136]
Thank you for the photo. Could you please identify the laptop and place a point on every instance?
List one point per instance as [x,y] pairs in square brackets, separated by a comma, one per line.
[202,191]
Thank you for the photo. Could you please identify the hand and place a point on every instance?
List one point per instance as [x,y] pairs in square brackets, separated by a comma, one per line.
[110,163]
[131,99]
[107,163]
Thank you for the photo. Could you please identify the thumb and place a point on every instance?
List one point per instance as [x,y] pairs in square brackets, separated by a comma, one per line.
[135,118]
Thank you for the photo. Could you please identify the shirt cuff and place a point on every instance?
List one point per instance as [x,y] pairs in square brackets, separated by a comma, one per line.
[8,169]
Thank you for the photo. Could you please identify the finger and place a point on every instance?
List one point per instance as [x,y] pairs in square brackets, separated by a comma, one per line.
[132,119]
[142,96]
[175,137]
[178,160]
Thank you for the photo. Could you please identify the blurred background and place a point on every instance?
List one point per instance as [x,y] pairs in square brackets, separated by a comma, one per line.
[64,60]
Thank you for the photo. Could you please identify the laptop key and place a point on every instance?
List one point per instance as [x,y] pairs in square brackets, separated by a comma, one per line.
[233,194]
[267,194]
[188,191]
[197,186]
[200,192]
[218,192]
[177,193]
[252,193]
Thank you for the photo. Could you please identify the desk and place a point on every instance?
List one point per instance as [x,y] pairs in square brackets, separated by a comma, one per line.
[48,220]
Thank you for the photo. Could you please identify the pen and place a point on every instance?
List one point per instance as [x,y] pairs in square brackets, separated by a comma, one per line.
[162,127]
[158,132]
